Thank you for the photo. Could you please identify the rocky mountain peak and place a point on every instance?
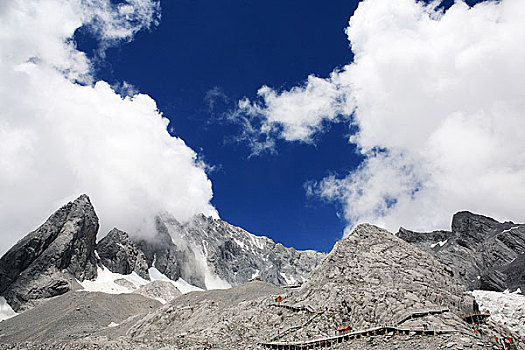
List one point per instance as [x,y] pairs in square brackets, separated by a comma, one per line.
[369,280]
[46,261]
[236,256]
[373,267]
[119,253]
[482,252]
[472,229]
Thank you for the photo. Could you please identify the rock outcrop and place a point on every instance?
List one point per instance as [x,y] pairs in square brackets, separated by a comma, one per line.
[47,261]
[162,291]
[119,254]
[482,252]
[173,260]
[211,253]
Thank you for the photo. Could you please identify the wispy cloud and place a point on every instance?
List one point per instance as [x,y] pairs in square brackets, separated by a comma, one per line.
[214,96]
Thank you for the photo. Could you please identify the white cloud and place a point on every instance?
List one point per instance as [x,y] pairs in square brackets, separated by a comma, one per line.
[439,101]
[115,22]
[60,138]
[295,115]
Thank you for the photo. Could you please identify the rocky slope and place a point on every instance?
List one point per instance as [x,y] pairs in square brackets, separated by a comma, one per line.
[211,253]
[74,315]
[400,296]
[482,252]
[47,261]
[371,278]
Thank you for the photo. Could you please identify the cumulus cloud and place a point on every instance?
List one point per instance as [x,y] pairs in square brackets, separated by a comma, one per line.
[438,100]
[62,134]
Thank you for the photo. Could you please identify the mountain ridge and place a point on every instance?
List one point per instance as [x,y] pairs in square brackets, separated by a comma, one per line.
[484,253]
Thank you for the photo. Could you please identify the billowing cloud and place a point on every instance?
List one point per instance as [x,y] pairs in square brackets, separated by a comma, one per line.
[62,134]
[438,100]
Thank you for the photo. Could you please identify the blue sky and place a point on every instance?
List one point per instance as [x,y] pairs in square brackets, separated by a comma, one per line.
[236,47]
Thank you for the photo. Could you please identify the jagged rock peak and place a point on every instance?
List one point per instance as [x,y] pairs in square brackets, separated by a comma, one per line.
[236,256]
[467,222]
[119,254]
[45,262]
[484,253]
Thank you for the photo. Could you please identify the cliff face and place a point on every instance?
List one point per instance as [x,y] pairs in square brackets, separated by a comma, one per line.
[46,261]
[119,254]
[211,253]
[482,252]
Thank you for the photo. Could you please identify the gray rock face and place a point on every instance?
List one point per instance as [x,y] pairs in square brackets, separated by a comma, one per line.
[119,254]
[482,252]
[173,260]
[207,248]
[45,262]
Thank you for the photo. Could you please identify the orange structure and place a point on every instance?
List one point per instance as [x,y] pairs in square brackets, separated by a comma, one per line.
[278,299]
[344,330]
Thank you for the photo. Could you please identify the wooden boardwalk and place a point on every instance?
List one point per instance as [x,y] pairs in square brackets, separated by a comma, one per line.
[328,341]
[297,308]
[420,313]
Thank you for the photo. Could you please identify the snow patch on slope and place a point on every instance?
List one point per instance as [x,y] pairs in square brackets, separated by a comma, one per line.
[510,229]
[5,310]
[105,282]
[441,243]
[183,286]
[505,308]
[289,280]
[211,280]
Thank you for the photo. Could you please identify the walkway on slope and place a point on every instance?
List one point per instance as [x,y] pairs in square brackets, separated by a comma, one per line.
[328,341]
[420,313]
[293,307]
[293,329]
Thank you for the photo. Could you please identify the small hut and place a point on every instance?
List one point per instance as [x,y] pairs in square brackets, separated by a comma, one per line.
[279,299]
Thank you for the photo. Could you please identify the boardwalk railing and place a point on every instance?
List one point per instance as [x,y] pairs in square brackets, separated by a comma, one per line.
[420,313]
[328,341]
[306,308]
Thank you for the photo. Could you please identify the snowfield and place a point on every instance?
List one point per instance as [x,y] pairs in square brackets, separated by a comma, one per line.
[115,283]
